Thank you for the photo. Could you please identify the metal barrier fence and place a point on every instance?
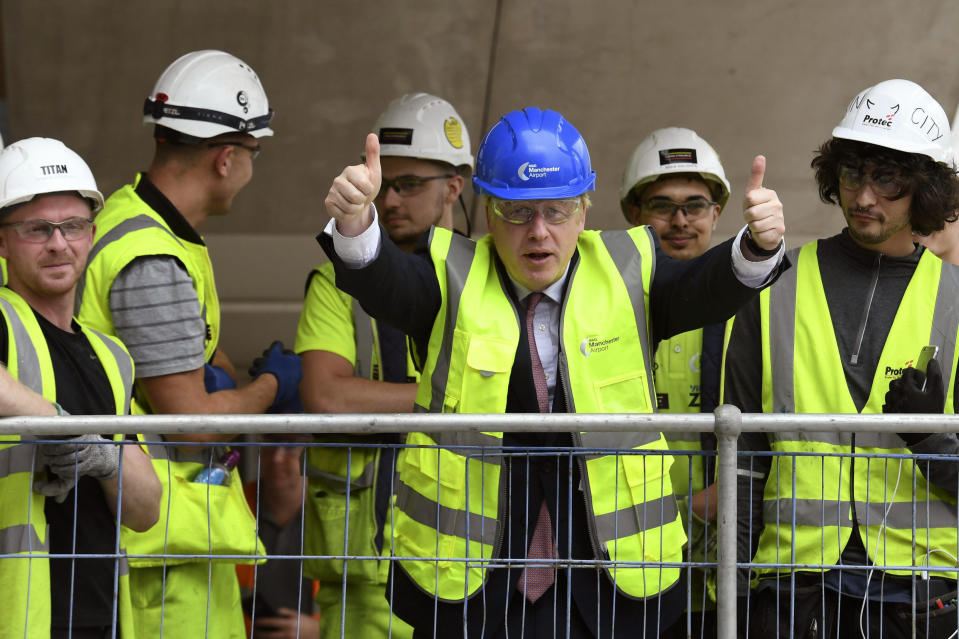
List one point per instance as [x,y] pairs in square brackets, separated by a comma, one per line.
[727,424]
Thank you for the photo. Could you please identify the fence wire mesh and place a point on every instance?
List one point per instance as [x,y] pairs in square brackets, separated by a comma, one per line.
[340,528]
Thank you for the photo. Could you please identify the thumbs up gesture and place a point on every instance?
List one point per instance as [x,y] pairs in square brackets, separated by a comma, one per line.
[353,190]
[762,209]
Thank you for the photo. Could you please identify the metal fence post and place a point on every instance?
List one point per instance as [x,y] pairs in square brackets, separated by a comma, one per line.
[728,426]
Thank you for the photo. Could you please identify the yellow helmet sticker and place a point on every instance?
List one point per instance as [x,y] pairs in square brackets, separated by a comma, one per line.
[454,132]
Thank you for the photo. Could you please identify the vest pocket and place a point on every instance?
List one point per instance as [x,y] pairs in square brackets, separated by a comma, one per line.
[627,393]
[326,514]
[484,378]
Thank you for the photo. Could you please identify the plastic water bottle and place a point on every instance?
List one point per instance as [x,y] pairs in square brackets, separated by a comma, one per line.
[218,473]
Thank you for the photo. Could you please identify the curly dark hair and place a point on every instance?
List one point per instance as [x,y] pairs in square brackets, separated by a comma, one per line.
[934,186]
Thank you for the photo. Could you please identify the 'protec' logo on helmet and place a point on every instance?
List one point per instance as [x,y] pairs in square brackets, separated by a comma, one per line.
[530,170]
[243,101]
[881,120]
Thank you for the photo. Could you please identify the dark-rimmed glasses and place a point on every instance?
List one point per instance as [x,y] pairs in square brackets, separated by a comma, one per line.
[664,208]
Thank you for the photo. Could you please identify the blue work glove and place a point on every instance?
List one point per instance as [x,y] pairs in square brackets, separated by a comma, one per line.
[216,379]
[285,366]
[907,395]
[294,405]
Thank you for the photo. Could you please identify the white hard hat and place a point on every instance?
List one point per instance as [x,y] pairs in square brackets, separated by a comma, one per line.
[901,115]
[207,93]
[674,150]
[426,127]
[35,166]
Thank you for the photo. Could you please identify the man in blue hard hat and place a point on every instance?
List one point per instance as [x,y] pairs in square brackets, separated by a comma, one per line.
[538,316]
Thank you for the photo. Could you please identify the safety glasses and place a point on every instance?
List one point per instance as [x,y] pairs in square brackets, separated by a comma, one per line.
[409,185]
[523,211]
[888,184]
[254,149]
[39,231]
[664,208]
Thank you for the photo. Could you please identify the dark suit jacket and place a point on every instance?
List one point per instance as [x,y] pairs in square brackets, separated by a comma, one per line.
[402,289]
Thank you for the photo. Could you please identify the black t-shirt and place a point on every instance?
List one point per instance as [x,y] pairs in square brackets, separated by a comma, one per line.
[82,389]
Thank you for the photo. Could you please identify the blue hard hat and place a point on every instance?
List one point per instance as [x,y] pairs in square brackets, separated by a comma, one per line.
[533,155]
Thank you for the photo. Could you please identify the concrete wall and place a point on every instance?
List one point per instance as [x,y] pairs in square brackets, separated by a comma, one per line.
[768,77]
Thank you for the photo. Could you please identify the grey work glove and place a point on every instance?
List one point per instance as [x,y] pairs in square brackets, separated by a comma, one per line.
[92,456]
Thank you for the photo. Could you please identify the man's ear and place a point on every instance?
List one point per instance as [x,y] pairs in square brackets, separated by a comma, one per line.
[454,187]
[223,158]
[633,214]
[3,245]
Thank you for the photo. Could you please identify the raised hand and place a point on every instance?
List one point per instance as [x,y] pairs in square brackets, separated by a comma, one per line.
[354,189]
[762,210]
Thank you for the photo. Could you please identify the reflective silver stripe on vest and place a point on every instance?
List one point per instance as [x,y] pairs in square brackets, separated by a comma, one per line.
[124,364]
[28,362]
[636,519]
[137,223]
[17,459]
[782,336]
[21,538]
[467,439]
[458,262]
[945,318]
[819,512]
[629,263]
[124,564]
[446,521]
[616,441]
[363,336]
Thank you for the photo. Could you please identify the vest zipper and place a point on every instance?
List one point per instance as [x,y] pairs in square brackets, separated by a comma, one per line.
[854,359]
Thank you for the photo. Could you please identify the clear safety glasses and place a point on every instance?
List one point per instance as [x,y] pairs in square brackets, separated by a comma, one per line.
[888,184]
[523,211]
[39,231]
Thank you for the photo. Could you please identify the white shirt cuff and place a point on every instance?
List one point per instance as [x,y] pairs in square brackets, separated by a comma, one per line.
[359,251]
[754,274]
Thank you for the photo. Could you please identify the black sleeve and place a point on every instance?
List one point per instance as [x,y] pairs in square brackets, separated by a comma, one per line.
[398,288]
[743,374]
[697,292]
